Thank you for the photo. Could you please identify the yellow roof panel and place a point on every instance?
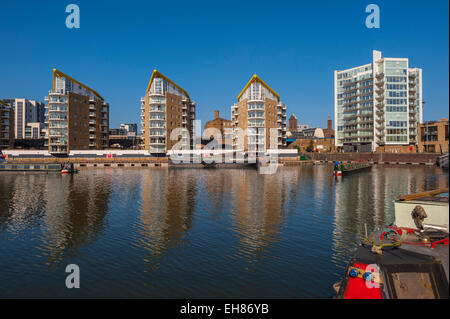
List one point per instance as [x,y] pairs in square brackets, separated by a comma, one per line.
[57,73]
[156,73]
[256,78]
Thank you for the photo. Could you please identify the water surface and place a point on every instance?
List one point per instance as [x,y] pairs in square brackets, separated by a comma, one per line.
[192,233]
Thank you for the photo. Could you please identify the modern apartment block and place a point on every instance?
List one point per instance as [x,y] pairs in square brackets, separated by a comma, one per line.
[35,130]
[25,113]
[258,110]
[6,125]
[165,107]
[433,136]
[377,104]
[78,117]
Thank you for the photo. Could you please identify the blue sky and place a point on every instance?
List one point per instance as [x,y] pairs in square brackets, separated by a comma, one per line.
[212,48]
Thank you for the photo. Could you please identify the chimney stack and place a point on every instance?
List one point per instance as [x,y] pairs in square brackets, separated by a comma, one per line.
[330,123]
[216,115]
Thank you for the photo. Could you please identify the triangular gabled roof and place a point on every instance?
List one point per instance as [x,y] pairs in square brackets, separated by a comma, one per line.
[256,78]
[156,73]
[293,116]
[57,73]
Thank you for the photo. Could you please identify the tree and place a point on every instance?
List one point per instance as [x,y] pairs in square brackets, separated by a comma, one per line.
[310,147]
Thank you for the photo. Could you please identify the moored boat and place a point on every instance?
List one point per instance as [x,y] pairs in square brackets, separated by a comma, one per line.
[341,168]
[35,167]
[69,169]
[408,259]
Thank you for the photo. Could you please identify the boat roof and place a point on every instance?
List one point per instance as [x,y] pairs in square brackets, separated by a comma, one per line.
[440,199]
[438,196]
[406,265]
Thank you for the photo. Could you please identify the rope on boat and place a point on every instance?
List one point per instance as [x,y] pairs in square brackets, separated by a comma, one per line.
[392,234]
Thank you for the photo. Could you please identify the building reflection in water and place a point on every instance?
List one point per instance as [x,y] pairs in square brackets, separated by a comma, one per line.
[259,210]
[218,184]
[165,212]
[69,210]
[22,201]
[76,207]
[367,198]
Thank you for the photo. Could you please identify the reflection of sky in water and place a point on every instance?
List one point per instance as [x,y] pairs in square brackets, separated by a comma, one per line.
[193,233]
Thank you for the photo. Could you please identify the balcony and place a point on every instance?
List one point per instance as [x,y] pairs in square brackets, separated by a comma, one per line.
[253,133]
[157,118]
[157,126]
[365,129]
[157,149]
[157,110]
[157,142]
[157,134]
[350,117]
[58,143]
[255,99]
[379,75]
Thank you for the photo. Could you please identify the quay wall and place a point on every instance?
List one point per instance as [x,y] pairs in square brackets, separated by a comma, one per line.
[87,160]
[377,158]
[143,157]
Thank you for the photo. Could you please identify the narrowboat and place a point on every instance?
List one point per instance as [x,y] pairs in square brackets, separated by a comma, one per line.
[9,167]
[341,169]
[406,260]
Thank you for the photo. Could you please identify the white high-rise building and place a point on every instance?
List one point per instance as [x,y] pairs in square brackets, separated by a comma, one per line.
[377,104]
[26,112]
